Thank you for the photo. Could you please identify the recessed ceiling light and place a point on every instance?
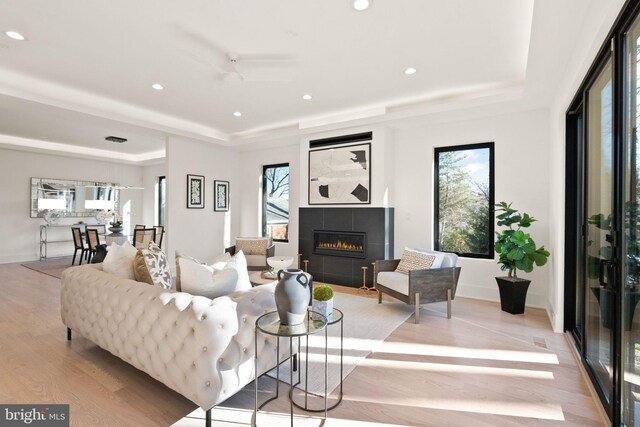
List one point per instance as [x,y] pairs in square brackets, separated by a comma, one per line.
[306,97]
[237,114]
[410,71]
[15,35]
[157,86]
[361,5]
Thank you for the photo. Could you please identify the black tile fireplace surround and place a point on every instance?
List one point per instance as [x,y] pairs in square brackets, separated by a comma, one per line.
[338,260]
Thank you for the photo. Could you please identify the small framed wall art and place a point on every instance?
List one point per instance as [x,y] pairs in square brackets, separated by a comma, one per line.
[220,196]
[195,192]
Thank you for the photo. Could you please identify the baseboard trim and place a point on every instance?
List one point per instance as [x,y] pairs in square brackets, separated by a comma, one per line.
[492,294]
[606,422]
[17,258]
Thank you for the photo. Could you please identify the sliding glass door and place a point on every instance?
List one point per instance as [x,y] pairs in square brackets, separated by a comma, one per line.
[599,286]
[630,354]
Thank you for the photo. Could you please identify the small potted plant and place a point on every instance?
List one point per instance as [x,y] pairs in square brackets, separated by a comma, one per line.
[517,251]
[323,301]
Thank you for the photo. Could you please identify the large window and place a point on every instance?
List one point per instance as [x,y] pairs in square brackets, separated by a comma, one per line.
[464,200]
[275,202]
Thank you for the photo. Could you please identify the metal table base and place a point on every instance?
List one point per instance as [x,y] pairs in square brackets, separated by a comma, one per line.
[335,318]
[283,332]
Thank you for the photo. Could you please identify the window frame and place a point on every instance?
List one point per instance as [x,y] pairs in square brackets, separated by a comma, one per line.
[159,213]
[264,199]
[436,192]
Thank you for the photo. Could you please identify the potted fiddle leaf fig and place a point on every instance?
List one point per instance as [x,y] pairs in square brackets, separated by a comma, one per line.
[517,251]
[323,301]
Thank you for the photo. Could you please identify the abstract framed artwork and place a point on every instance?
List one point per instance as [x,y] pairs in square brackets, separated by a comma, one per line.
[221,196]
[195,192]
[340,175]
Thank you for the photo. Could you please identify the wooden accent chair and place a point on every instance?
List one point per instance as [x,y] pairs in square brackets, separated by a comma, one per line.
[142,236]
[79,244]
[419,286]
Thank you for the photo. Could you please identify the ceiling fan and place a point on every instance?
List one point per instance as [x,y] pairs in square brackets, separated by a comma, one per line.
[233,67]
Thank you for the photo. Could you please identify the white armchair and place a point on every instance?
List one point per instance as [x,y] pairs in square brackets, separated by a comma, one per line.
[256,250]
[420,286]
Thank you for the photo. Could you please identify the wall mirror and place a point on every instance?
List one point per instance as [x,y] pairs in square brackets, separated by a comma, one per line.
[72,198]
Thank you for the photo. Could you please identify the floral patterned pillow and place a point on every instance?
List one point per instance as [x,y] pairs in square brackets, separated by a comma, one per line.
[151,266]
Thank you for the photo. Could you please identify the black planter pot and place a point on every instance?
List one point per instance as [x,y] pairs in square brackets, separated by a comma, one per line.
[513,293]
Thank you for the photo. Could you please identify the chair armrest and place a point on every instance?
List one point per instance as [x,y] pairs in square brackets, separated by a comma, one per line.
[435,280]
[387,264]
[231,250]
[271,251]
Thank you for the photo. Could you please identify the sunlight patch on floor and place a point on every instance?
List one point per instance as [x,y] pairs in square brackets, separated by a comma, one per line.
[232,417]
[334,362]
[542,410]
[468,353]
[457,369]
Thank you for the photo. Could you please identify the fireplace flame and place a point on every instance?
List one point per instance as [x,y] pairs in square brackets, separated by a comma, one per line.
[340,245]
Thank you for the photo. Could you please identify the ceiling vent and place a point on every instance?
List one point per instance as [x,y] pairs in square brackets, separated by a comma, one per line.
[116,139]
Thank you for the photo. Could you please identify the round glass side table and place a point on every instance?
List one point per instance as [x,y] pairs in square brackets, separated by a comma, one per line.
[269,324]
[335,317]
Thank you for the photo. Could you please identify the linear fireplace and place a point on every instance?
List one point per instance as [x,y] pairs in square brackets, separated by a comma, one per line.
[373,229]
[340,243]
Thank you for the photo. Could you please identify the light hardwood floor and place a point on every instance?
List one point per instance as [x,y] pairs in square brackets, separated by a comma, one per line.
[483,367]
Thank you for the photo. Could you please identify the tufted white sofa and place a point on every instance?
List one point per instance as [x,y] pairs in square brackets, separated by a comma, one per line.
[201,348]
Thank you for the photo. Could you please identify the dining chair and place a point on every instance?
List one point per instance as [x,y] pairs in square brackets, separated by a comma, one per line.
[93,240]
[79,245]
[140,226]
[142,236]
[159,234]
[102,229]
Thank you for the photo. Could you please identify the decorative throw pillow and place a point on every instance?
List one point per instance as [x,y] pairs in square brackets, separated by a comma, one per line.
[119,260]
[256,246]
[197,278]
[239,263]
[151,266]
[415,260]
[441,257]
[220,262]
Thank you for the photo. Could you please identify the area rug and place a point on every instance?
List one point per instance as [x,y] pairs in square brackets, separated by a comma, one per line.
[366,325]
[51,267]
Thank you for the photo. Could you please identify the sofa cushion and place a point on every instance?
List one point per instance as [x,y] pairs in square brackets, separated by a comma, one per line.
[253,246]
[398,282]
[450,259]
[256,260]
[151,266]
[197,278]
[119,260]
[416,260]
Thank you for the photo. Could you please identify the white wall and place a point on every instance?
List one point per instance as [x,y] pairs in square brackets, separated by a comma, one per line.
[521,177]
[250,196]
[150,175]
[381,191]
[20,232]
[201,233]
